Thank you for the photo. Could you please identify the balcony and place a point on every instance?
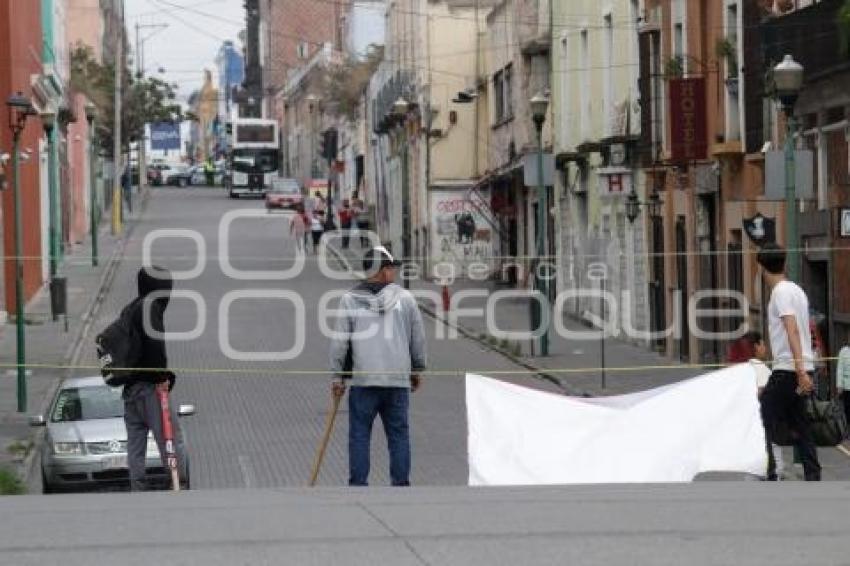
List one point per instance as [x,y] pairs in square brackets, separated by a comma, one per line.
[812,35]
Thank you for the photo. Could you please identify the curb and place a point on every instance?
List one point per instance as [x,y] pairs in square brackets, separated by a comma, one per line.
[540,373]
[28,467]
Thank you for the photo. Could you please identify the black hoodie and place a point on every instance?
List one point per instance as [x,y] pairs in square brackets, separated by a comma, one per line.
[150,280]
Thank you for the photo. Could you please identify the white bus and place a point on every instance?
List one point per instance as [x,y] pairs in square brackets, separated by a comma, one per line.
[252,162]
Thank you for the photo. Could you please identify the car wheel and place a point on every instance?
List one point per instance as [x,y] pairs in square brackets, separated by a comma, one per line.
[233,195]
[46,487]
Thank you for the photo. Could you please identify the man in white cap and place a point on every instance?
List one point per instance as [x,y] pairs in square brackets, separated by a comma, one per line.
[380,347]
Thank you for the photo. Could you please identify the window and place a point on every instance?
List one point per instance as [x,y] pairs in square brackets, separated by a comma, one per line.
[502,95]
[508,92]
[498,88]
[303,50]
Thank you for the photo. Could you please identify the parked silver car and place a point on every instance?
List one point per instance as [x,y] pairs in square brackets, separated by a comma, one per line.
[86,441]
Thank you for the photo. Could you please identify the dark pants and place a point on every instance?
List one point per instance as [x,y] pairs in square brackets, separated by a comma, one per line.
[210,178]
[845,398]
[781,403]
[317,237]
[363,226]
[142,413]
[346,226]
[392,403]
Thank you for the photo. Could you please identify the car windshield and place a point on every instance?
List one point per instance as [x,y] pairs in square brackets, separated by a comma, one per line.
[87,403]
[285,188]
[255,161]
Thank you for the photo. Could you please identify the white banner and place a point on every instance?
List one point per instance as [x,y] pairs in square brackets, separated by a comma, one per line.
[520,436]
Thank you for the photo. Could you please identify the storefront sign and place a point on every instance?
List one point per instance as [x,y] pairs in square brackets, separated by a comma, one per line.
[760,229]
[165,136]
[687,113]
[615,181]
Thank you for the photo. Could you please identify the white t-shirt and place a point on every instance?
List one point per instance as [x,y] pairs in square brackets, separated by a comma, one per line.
[762,372]
[787,298]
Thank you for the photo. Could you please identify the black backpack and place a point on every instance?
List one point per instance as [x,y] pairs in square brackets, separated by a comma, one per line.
[120,346]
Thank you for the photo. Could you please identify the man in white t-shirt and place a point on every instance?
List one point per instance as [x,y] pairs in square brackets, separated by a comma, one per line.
[783,399]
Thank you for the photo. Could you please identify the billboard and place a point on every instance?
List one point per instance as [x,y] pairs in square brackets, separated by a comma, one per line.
[165,136]
[688,136]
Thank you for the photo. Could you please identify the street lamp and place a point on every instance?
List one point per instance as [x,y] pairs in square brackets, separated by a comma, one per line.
[539,104]
[788,80]
[400,109]
[20,108]
[633,205]
[48,122]
[91,113]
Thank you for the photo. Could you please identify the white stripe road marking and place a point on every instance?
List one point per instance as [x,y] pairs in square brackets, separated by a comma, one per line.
[843,449]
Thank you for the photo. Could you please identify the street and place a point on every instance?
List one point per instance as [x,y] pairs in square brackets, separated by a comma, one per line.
[258,423]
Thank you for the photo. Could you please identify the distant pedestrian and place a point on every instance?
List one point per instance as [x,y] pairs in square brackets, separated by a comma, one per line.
[209,172]
[345,223]
[783,399]
[842,377]
[380,347]
[298,229]
[317,228]
[321,205]
[362,221]
[127,188]
[759,349]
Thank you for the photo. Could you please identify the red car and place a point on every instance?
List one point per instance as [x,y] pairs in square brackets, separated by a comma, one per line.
[285,193]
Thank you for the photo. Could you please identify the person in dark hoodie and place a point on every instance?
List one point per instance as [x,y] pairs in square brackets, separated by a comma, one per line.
[142,413]
[379,345]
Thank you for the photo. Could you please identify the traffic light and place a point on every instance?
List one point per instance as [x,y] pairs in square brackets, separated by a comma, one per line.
[328,144]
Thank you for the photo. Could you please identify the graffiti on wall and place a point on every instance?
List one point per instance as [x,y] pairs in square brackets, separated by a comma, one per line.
[460,231]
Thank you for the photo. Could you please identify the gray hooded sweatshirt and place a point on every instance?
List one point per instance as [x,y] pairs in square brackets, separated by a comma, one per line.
[382,326]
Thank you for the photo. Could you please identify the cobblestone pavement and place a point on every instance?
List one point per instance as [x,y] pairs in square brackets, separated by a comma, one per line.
[258,423]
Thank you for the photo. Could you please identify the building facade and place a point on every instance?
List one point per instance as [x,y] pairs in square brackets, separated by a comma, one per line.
[21,41]
[596,127]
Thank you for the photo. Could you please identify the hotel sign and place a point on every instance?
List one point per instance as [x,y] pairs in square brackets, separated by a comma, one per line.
[687,127]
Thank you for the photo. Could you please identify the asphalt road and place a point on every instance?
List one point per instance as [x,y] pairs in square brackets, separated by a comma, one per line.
[259,422]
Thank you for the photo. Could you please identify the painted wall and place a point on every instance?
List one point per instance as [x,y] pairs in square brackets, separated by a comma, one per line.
[20,46]
[460,235]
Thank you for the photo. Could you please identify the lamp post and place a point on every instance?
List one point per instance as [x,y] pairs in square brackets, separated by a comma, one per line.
[400,108]
[539,104]
[94,211]
[48,122]
[788,79]
[633,205]
[20,108]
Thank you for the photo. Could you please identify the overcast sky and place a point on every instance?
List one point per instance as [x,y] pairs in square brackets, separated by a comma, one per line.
[196,29]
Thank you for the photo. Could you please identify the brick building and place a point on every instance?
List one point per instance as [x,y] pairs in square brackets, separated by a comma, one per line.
[291,32]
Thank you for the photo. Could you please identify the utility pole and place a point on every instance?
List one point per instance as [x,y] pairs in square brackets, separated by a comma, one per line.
[143,162]
[117,204]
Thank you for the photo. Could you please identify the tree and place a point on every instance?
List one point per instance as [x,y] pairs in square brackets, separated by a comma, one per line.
[346,82]
[144,100]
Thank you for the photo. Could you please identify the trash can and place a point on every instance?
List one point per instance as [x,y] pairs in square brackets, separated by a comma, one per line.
[58,296]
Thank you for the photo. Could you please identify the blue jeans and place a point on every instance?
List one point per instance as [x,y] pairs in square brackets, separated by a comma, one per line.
[392,403]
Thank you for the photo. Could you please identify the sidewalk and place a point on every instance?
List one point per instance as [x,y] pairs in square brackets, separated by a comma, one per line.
[575,364]
[51,349]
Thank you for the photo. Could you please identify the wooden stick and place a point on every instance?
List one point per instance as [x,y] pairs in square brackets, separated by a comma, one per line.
[329,425]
